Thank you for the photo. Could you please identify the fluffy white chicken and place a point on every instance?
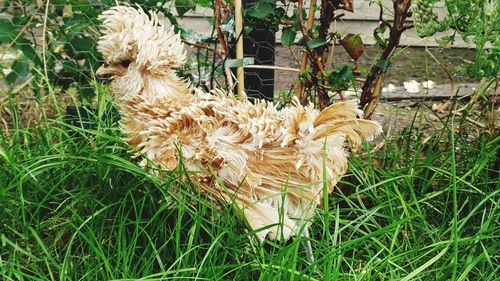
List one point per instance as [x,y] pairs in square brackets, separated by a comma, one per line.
[262,159]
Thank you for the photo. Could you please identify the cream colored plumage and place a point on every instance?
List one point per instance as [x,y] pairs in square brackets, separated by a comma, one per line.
[252,154]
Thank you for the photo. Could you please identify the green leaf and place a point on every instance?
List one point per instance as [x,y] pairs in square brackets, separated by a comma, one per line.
[361,69]
[20,70]
[345,72]
[27,48]
[79,47]
[84,7]
[183,6]
[70,68]
[341,77]
[379,35]
[381,29]
[306,73]
[446,40]
[239,62]
[261,11]
[383,64]
[204,3]
[425,265]
[315,43]
[7,31]
[77,23]
[288,36]
[247,29]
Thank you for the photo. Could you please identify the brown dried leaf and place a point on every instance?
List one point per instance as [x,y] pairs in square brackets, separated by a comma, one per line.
[353,44]
[344,5]
[67,11]
[441,107]
[376,163]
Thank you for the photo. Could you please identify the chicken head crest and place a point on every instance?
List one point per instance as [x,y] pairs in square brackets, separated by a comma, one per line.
[132,38]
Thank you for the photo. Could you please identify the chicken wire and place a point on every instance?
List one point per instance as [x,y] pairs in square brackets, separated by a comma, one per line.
[411,63]
[75,60]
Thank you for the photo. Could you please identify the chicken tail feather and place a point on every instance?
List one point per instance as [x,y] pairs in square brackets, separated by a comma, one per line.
[345,118]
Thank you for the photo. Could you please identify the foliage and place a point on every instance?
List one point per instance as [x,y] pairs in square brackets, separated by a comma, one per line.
[263,13]
[184,6]
[69,58]
[342,77]
[475,21]
[70,54]
[426,19]
[76,206]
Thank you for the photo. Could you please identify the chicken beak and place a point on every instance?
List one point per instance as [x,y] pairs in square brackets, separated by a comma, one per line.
[107,70]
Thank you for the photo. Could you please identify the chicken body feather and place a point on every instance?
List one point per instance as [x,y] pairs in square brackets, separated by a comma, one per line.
[261,158]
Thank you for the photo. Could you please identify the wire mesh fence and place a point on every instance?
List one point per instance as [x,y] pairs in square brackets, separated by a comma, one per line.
[420,63]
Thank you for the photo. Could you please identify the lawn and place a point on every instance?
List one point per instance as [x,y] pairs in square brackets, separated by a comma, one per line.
[75,206]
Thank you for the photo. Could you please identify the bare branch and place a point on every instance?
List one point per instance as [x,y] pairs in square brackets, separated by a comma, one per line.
[372,86]
[222,41]
[200,46]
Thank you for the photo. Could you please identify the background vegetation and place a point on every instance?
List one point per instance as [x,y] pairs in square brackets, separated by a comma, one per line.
[75,206]
[423,205]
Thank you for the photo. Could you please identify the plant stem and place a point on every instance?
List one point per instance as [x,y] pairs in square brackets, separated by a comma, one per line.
[222,40]
[372,87]
[303,62]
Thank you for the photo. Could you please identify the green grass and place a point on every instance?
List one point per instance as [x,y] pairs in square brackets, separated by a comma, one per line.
[75,206]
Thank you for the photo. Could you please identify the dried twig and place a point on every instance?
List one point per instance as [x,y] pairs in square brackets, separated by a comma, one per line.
[329,58]
[21,87]
[304,29]
[452,83]
[200,46]
[222,41]
[293,54]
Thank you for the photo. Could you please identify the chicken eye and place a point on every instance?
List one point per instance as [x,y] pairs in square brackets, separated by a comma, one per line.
[125,63]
